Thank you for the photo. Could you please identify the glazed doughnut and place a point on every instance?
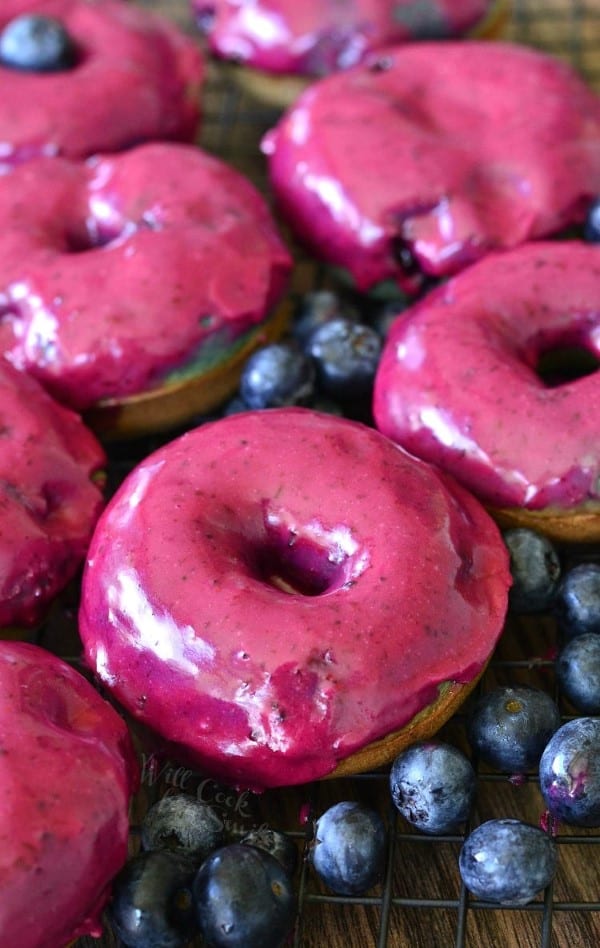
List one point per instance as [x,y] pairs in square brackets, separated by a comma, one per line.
[68,773]
[136,77]
[425,158]
[134,285]
[464,383]
[282,593]
[50,497]
[280,46]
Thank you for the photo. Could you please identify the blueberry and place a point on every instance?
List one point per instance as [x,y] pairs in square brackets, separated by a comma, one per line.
[433,786]
[277,375]
[507,861]
[152,904]
[509,727]
[315,309]
[591,227]
[578,672]
[182,823]
[36,44]
[349,848]
[346,355]
[578,600]
[535,570]
[277,844]
[570,772]
[243,898]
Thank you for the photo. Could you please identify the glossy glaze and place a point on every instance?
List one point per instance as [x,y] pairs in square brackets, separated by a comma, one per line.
[118,271]
[48,502]
[67,772]
[316,37]
[458,386]
[137,78]
[275,590]
[445,151]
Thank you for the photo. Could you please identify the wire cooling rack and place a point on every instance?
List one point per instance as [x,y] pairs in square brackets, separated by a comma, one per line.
[420,902]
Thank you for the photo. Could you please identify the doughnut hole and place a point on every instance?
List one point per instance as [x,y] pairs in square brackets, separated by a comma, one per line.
[89,235]
[565,359]
[307,560]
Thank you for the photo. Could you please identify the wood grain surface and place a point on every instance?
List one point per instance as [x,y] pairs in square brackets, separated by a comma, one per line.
[421,903]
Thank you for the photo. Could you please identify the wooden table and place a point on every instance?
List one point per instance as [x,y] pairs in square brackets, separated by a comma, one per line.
[421,903]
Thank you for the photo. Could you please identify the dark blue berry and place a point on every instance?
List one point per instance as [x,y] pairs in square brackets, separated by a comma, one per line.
[509,727]
[433,786]
[346,355]
[591,227]
[570,772]
[36,44]
[277,375]
[244,899]
[348,849]
[277,844]
[578,601]
[180,822]
[152,905]
[535,570]
[578,672]
[507,861]
[315,309]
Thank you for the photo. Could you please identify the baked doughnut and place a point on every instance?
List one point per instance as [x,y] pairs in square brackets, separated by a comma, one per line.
[134,285]
[284,594]
[134,77]
[425,158]
[280,46]
[68,773]
[485,377]
[50,497]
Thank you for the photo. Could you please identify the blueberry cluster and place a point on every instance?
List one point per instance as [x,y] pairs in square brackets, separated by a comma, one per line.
[189,879]
[328,361]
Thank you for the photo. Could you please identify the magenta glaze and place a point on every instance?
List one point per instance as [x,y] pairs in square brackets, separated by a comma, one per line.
[446,150]
[137,78]
[48,503]
[457,383]
[274,590]
[315,37]
[67,773]
[117,271]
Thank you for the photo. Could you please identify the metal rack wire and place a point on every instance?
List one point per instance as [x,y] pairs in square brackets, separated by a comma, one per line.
[421,899]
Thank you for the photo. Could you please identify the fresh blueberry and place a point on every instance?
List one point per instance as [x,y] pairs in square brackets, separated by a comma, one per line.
[507,861]
[36,44]
[433,786]
[276,375]
[349,848]
[276,843]
[591,227]
[244,899]
[578,600]
[578,672]
[346,355]
[570,772]
[509,727]
[316,308]
[152,904]
[535,570]
[182,823]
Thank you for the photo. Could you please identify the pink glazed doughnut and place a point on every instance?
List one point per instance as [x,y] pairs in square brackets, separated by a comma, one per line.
[133,286]
[282,595]
[427,157]
[465,383]
[136,78]
[282,44]
[50,498]
[66,778]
